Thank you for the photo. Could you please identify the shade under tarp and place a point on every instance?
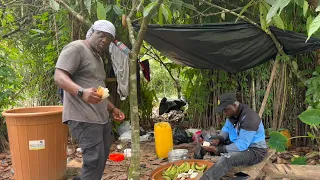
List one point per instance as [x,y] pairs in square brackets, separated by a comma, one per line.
[232,47]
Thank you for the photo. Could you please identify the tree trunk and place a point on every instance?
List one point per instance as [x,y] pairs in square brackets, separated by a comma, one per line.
[134,169]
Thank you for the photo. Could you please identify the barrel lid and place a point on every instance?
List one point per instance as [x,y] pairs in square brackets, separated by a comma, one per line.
[33,111]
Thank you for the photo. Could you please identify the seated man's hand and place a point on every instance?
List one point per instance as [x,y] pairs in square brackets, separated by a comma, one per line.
[212,149]
[215,142]
[200,140]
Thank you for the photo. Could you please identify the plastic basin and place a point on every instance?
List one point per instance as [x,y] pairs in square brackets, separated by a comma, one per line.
[38,142]
[116,157]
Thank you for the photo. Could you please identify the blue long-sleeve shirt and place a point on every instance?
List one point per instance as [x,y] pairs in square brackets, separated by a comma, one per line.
[244,131]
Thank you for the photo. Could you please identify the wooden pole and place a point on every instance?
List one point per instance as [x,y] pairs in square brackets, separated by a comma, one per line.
[266,95]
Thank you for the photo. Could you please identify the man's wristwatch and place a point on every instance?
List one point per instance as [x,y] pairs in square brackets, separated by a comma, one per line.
[80,92]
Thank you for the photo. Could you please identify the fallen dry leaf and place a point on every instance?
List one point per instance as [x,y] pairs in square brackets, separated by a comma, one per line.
[2,156]
[74,164]
[5,169]
[281,161]
[123,177]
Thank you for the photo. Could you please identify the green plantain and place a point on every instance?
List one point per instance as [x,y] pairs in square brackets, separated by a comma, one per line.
[187,167]
[182,166]
[173,172]
[170,167]
[193,166]
[201,168]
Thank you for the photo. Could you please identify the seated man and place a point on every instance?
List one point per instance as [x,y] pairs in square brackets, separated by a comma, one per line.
[244,131]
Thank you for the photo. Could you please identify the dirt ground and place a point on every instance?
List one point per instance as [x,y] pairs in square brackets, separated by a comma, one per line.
[113,170]
[118,170]
[148,162]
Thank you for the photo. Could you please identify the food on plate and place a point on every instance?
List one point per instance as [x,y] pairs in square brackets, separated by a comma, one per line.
[183,171]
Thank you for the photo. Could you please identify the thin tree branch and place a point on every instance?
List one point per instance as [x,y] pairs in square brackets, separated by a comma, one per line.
[134,6]
[21,22]
[226,3]
[217,13]
[87,22]
[156,57]
[11,33]
[135,20]
[12,5]
[148,49]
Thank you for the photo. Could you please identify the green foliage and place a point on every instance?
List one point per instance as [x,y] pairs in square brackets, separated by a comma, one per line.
[310,117]
[276,7]
[87,3]
[117,10]
[313,92]
[245,8]
[166,13]
[314,26]
[148,8]
[54,5]
[305,7]
[10,84]
[311,135]
[148,98]
[277,21]
[301,160]
[277,141]
[263,9]
[196,90]
[101,11]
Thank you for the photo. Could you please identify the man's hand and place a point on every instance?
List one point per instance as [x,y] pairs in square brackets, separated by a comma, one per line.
[212,149]
[215,142]
[91,96]
[117,114]
[200,140]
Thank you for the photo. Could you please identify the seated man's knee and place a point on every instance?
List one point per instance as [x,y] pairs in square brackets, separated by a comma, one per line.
[224,162]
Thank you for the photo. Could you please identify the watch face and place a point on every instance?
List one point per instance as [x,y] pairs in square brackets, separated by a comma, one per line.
[80,92]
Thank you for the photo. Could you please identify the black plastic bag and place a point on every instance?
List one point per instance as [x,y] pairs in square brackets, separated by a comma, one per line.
[180,136]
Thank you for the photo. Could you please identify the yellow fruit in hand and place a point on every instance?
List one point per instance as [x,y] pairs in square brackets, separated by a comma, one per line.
[103,92]
[100,90]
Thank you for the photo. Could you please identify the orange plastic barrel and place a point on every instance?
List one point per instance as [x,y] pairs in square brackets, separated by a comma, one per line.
[38,140]
[163,139]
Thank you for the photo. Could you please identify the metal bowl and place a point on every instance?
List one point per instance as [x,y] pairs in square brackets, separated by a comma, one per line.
[177,154]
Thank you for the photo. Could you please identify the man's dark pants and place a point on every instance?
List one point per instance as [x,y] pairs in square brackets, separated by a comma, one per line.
[228,160]
[95,141]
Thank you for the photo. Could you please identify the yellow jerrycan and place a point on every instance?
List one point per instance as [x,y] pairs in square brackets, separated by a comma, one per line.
[163,139]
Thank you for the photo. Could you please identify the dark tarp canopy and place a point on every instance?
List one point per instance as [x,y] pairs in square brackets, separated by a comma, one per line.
[232,47]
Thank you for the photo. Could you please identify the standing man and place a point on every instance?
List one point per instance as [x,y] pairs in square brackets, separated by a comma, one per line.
[241,140]
[79,72]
